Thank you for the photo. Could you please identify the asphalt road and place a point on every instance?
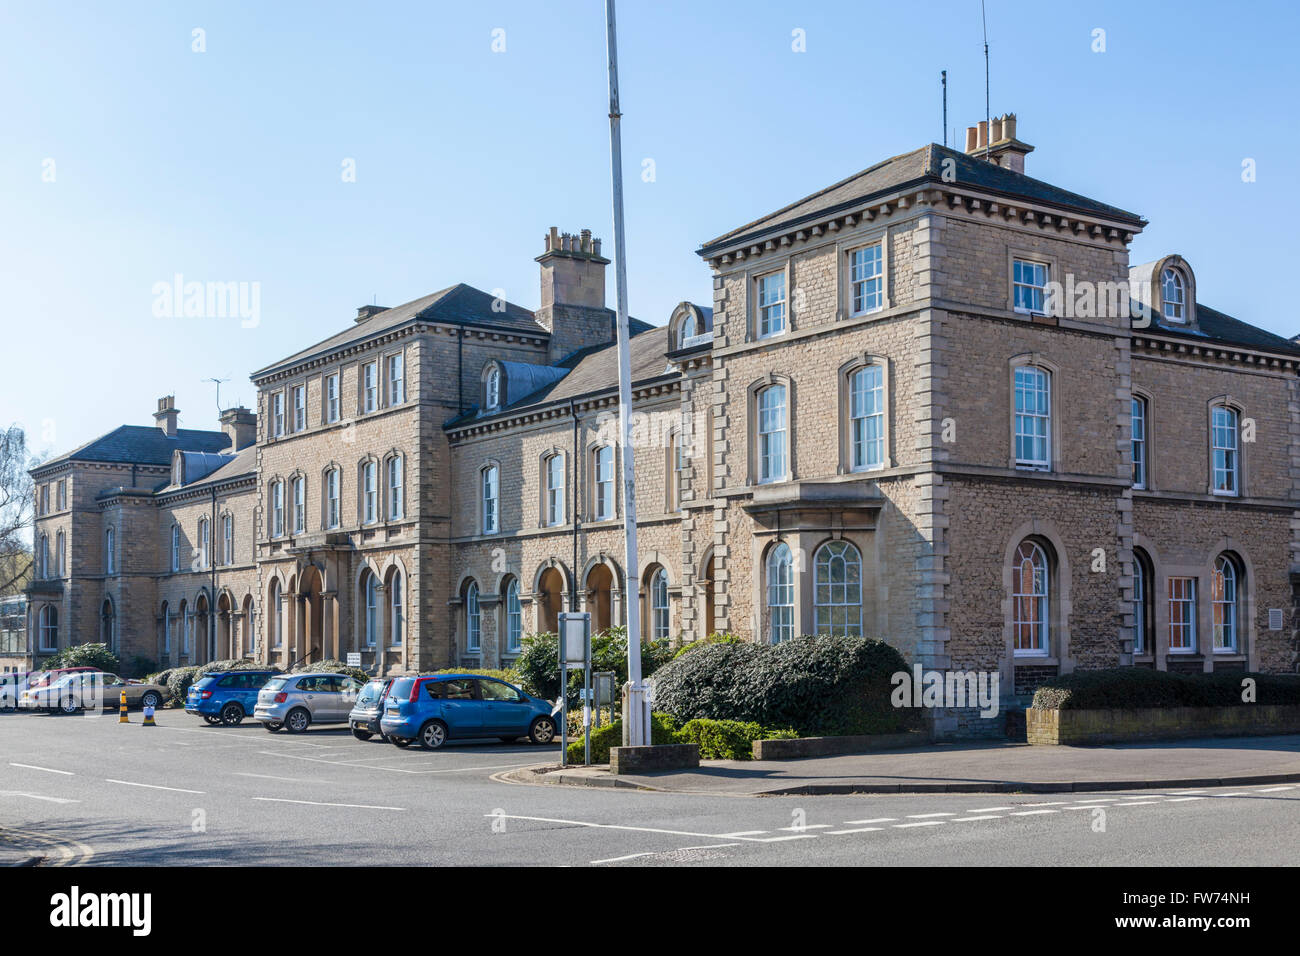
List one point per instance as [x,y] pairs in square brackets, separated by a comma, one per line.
[87,790]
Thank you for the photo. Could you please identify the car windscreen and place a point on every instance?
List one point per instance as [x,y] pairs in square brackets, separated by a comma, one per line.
[401,688]
[371,692]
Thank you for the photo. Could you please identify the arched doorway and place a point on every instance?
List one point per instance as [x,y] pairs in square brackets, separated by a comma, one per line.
[247,642]
[550,600]
[202,627]
[310,643]
[600,597]
[706,583]
[225,628]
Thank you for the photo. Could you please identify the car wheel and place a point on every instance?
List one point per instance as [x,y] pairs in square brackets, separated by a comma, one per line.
[542,731]
[297,721]
[232,714]
[361,734]
[433,735]
[399,741]
[211,719]
[272,726]
[69,706]
[151,699]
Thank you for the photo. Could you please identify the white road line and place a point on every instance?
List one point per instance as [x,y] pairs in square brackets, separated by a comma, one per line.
[922,816]
[1090,806]
[744,833]
[314,803]
[1099,800]
[990,809]
[36,796]
[27,766]
[1183,799]
[1264,790]
[706,846]
[924,823]
[1054,803]
[1032,813]
[856,830]
[1243,794]
[806,826]
[993,816]
[150,786]
[352,766]
[267,776]
[620,859]
[620,826]
[1139,803]
[874,820]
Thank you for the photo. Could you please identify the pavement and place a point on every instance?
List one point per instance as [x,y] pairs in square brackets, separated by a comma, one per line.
[970,768]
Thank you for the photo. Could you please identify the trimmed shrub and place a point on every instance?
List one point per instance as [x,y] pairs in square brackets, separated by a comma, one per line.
[819,686]
[727,739]
[715,638]
[663,730]
[539,669]
[179,679]
[1136,688]
[84,655]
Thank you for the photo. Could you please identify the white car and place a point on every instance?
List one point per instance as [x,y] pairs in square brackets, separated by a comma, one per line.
[12,684]
[93,690]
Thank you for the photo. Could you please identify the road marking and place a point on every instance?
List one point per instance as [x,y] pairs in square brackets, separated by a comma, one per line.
[1031,813]
[66,773]
[151,786]
[354,766]
[1242,794]
[875,820]
[35,796]
[267,776]
[1183,799]
[994,816]
[857,830]
[744,833]
[799,828]
[620,859]
[1054,803]
[990,809]
[1139,803]
[922,816]
[1266,789]
[620,826]
[924,823]
[1098,800]
[314,803]
[68,849]
[1091,806]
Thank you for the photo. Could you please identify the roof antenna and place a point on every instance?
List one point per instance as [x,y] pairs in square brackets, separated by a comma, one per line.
[988,116]
[944,75]
[218,382]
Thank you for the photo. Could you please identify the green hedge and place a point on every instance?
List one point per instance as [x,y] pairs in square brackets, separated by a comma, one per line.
[663,730]
[84,655]
[818,686]
[539,668]
[334,667]
[509,676]
[727,739]
[1137,688]
[714,638]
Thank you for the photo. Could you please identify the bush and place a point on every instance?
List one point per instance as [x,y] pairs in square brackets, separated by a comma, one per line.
[714,638]
[138,666]
[1136,688]
[179,679]
[727,739]
[539,670]
[663,730]
[335,667]
[84,655]
[509,676]
[819,686]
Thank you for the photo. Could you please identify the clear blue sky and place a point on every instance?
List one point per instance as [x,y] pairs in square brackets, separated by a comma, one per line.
[226,165]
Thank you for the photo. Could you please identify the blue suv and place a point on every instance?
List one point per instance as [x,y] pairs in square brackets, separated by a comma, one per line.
[446,707]
[226,697]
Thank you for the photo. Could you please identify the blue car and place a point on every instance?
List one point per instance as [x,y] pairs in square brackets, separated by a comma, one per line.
[446,707]
[226,697]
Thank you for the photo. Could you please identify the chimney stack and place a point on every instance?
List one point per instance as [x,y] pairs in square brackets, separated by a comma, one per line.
[1003,148]
[240,425]
[573,292]
[167,415]
[366,311]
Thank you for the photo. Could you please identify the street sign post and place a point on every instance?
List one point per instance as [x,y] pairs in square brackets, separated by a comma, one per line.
[574,650]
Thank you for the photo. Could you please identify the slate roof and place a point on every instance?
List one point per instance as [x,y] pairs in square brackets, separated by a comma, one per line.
[912,169]
[143,445]
[459,304]
[238,465]
[1216,326]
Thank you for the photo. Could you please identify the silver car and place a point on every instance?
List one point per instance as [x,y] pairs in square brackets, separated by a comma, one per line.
[296,701]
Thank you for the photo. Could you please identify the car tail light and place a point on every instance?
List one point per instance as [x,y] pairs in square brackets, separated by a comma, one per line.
[415,692]
[206,694]
[281,697]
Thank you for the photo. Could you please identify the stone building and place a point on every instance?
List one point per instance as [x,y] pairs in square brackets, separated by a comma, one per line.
[933,402]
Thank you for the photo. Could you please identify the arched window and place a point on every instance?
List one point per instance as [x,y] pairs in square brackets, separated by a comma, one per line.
[659,604]
[1029,599]
[396,611]
[227,539]
[369,494]
[299,487]
[489,495]
[473,620]
[867,418]
[1033,418]
[772,434]
[514,618]
[205,543]
[108,625]
[277,509]
[60,555]
[1224,462]
[554,501]
[603,483]
[1143,589]
[275,620]
[780,594]
[1225,598]
[395,488]
[687,329]
[333,497]
[492,389]
[837,589]
[1139,442]
[110,552]
[44,556]
[1175,307]
[49,628]
[370,623]
[166,628]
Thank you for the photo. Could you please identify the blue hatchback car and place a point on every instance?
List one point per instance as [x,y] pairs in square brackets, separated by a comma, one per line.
[226,697]
[446,707]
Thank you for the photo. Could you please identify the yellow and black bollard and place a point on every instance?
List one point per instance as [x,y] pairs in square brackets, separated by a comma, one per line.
[148,716]
[121,711]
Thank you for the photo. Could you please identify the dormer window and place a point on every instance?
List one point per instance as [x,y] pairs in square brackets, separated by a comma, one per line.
[492,389]
[1174,296]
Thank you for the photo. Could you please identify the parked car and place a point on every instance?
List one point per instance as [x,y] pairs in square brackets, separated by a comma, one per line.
[82,689]
[446,707]
[46,678]
[226,697]
[12,684]
[364,718]
[296,701]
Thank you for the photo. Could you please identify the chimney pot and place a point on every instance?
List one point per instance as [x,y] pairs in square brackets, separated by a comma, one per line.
[1009,126]
[995,133]
[983,134]
[167,415]
[970,138]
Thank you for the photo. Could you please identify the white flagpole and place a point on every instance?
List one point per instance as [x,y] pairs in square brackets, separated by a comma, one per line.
[636,716]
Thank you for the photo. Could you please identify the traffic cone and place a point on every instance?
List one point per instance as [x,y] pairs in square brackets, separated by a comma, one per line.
[148,717]
[121,711]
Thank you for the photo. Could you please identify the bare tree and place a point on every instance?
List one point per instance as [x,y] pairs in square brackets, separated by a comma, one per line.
[17,504]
